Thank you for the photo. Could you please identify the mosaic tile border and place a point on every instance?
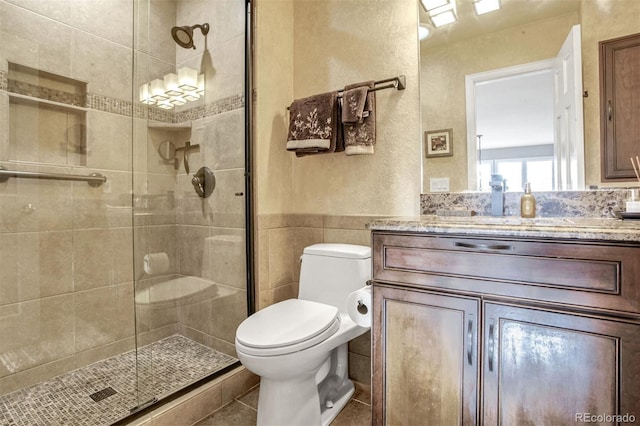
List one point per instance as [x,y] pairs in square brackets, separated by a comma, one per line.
[222,105]
[137,110]
[164,367]
[46,93]
[600,203]
[111,105]
[4,80]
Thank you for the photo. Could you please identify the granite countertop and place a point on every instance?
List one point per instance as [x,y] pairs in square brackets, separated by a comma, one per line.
[513,226]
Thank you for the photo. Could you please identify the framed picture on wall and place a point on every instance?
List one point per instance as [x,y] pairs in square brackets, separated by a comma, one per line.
[439,143]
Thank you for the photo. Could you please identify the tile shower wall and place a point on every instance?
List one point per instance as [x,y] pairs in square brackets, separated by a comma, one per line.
[280,241]
[204,238]
[66,249]
[66,287]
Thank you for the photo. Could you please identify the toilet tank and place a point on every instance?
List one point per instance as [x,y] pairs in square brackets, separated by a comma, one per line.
[329,272]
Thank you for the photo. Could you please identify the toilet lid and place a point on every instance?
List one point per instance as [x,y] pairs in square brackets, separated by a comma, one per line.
[292,323]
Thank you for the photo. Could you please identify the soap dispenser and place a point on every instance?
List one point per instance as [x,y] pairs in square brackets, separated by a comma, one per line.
[527,203]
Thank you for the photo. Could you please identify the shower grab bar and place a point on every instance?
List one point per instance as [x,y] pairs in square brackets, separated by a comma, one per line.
[94,179]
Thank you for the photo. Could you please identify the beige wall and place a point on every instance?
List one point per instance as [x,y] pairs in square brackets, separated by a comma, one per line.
[339,42]
[273,92]
[332,44]
[443,70]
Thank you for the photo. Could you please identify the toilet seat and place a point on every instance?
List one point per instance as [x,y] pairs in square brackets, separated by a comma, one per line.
[286,327]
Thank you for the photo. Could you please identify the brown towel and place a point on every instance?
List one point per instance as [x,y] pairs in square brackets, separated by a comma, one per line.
[359,138]
[313,124]
[353,104]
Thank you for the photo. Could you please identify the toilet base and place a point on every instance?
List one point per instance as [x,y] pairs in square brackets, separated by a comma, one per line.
[297,403]
[329,414]
[310,400]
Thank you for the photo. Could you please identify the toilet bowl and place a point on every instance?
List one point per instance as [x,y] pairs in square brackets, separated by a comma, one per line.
[299,348]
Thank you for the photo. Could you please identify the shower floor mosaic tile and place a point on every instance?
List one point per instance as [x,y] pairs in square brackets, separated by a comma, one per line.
[163,367]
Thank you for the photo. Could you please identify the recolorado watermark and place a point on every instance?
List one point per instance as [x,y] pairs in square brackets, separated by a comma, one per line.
[605,418]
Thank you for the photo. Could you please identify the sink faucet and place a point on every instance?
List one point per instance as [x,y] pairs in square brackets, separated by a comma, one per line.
[498,186]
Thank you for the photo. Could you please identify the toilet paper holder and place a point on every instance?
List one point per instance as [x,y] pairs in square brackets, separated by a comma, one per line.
[362,308]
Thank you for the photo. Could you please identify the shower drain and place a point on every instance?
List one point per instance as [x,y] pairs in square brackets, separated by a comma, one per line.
[103,394]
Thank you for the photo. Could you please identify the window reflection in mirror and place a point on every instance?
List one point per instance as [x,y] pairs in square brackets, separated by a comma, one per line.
[514,129]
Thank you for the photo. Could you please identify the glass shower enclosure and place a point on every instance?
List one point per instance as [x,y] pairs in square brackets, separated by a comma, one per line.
[123,203]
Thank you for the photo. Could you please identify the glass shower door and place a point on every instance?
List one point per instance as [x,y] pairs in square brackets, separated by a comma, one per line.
[120,284]
[67,332]
[189,191]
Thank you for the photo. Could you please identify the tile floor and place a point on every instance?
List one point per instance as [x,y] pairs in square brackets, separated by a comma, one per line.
[163,367]
[243,411]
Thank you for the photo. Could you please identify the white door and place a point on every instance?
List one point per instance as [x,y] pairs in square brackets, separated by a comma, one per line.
[568,123]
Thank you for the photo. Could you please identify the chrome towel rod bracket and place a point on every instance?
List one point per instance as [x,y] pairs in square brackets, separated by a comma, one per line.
[94,179]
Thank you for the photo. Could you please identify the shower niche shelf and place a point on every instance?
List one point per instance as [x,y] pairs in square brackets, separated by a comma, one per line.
[30,100]
[46,87]
[48,117]
[186,125]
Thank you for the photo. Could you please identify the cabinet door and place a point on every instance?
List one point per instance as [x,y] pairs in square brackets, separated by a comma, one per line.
[551,368]
[425,368]
[619,106]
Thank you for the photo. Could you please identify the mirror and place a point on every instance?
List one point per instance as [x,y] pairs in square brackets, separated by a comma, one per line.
[521,32]
[167,150]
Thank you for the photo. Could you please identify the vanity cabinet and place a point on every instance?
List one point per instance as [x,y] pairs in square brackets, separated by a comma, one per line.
[481,330]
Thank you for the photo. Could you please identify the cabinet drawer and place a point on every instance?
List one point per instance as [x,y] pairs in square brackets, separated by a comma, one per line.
[599,275]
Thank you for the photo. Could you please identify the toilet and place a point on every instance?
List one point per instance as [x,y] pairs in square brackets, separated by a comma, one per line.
[299,347]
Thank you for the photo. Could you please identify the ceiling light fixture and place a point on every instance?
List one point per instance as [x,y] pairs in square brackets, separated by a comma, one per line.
[441,12]
[443,18]
[429,5]
[173,89]
[486,6]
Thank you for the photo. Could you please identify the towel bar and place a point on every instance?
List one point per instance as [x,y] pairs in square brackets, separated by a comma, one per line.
[399,82]
[94,179]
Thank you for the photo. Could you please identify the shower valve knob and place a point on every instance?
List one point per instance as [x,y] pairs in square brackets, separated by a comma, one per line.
[203,182]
